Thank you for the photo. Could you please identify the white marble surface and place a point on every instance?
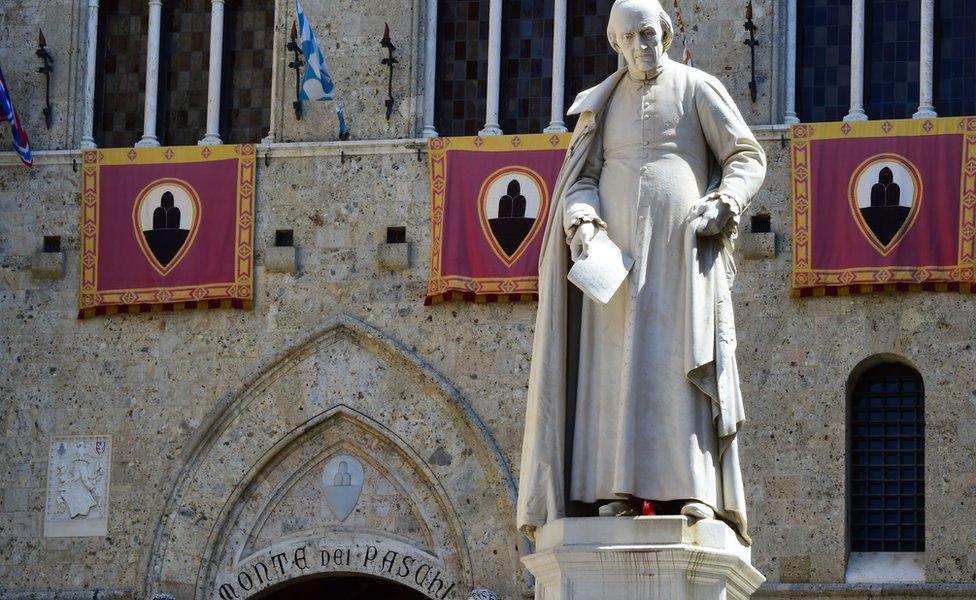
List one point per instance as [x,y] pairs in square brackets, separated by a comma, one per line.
[663,557]
[881,567]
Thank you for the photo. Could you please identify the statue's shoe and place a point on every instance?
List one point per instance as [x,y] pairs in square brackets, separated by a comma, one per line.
[697,510]
[617,509]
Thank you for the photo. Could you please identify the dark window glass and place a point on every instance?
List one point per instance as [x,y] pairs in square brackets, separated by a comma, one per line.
[120,72]
[887,453]
[955,58]
[823,76]
[245,97]
[183,64]
[462,66]
[589,58]
[891,63]
[525,91]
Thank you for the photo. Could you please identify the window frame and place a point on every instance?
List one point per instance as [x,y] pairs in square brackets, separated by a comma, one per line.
[853,381]
[215,74]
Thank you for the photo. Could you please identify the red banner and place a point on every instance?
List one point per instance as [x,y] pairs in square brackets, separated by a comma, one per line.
[490,198]
[166,229]
[884,206]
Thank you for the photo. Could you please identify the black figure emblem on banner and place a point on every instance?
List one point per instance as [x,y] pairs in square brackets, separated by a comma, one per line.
[886,191]
[166,216]
[511,201]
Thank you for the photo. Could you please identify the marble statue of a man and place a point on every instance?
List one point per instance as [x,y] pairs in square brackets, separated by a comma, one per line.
[639,400]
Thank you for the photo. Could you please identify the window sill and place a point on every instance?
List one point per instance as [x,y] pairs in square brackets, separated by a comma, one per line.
[885,567]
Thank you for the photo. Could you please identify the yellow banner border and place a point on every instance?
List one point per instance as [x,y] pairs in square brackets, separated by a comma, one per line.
[437,149]
[242,288]
[804,277]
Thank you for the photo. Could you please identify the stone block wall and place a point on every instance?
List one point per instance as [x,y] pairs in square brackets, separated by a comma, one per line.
[152,381]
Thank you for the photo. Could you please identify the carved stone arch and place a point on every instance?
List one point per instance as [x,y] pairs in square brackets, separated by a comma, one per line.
[872,361]
[348,375]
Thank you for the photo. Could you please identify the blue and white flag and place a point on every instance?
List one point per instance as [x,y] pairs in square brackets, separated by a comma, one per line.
[7,113]
[317,84]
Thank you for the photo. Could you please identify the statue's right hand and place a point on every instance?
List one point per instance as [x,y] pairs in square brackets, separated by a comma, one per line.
[580,244]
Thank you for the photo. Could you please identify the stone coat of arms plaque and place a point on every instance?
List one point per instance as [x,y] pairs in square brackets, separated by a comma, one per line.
[77,486]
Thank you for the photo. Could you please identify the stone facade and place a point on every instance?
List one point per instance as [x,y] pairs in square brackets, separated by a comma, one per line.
[221,422]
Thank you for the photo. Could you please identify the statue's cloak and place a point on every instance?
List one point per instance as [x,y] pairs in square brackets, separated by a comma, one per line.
[709,359]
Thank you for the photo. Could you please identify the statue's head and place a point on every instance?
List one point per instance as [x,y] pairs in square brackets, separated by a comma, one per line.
[641,31]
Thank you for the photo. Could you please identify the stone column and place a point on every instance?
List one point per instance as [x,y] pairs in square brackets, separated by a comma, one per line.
[556,124]
[152,76]
[790,117]
[494,68]
[214,72]
[856,112]
[926,108]
[652,558]
[430,70]
[280,13]
[91,47]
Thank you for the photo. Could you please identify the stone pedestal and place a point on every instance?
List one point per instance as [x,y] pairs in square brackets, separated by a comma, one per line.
[646,558]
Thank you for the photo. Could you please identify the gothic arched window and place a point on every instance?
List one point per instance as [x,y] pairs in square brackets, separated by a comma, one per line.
[245,97]
[589,58]
[955,57]
[823,72]
[121,70]
[891,58]
[462,66]
[887,460]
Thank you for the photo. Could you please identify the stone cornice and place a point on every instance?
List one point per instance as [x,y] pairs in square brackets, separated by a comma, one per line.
[340,149]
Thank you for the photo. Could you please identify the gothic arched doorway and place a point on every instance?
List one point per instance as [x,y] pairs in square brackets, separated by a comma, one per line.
[352,587]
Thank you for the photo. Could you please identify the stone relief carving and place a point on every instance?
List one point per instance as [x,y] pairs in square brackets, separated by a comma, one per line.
[77,486]
[342,482]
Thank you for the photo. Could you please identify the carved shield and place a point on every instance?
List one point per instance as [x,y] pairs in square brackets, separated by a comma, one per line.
[342,483]
[885,195]
[166,217]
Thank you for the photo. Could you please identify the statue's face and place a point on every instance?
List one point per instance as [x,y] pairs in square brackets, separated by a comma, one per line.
[637,29]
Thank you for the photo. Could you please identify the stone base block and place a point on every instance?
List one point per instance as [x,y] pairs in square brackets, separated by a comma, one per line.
[281,259]
[47,265]
[395,257]
[758,245]
[646,558]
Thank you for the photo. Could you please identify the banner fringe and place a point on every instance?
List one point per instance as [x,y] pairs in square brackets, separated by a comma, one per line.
[135,309]
[849,290]
[479,298]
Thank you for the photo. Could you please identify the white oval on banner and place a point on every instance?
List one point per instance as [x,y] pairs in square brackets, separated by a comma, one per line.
[181,200]
[872,176]
[501,186]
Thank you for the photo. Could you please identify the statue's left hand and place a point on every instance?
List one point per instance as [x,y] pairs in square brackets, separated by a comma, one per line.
[714,212]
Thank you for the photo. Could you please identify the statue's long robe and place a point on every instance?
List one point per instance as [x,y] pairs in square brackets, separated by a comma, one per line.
[658,403]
